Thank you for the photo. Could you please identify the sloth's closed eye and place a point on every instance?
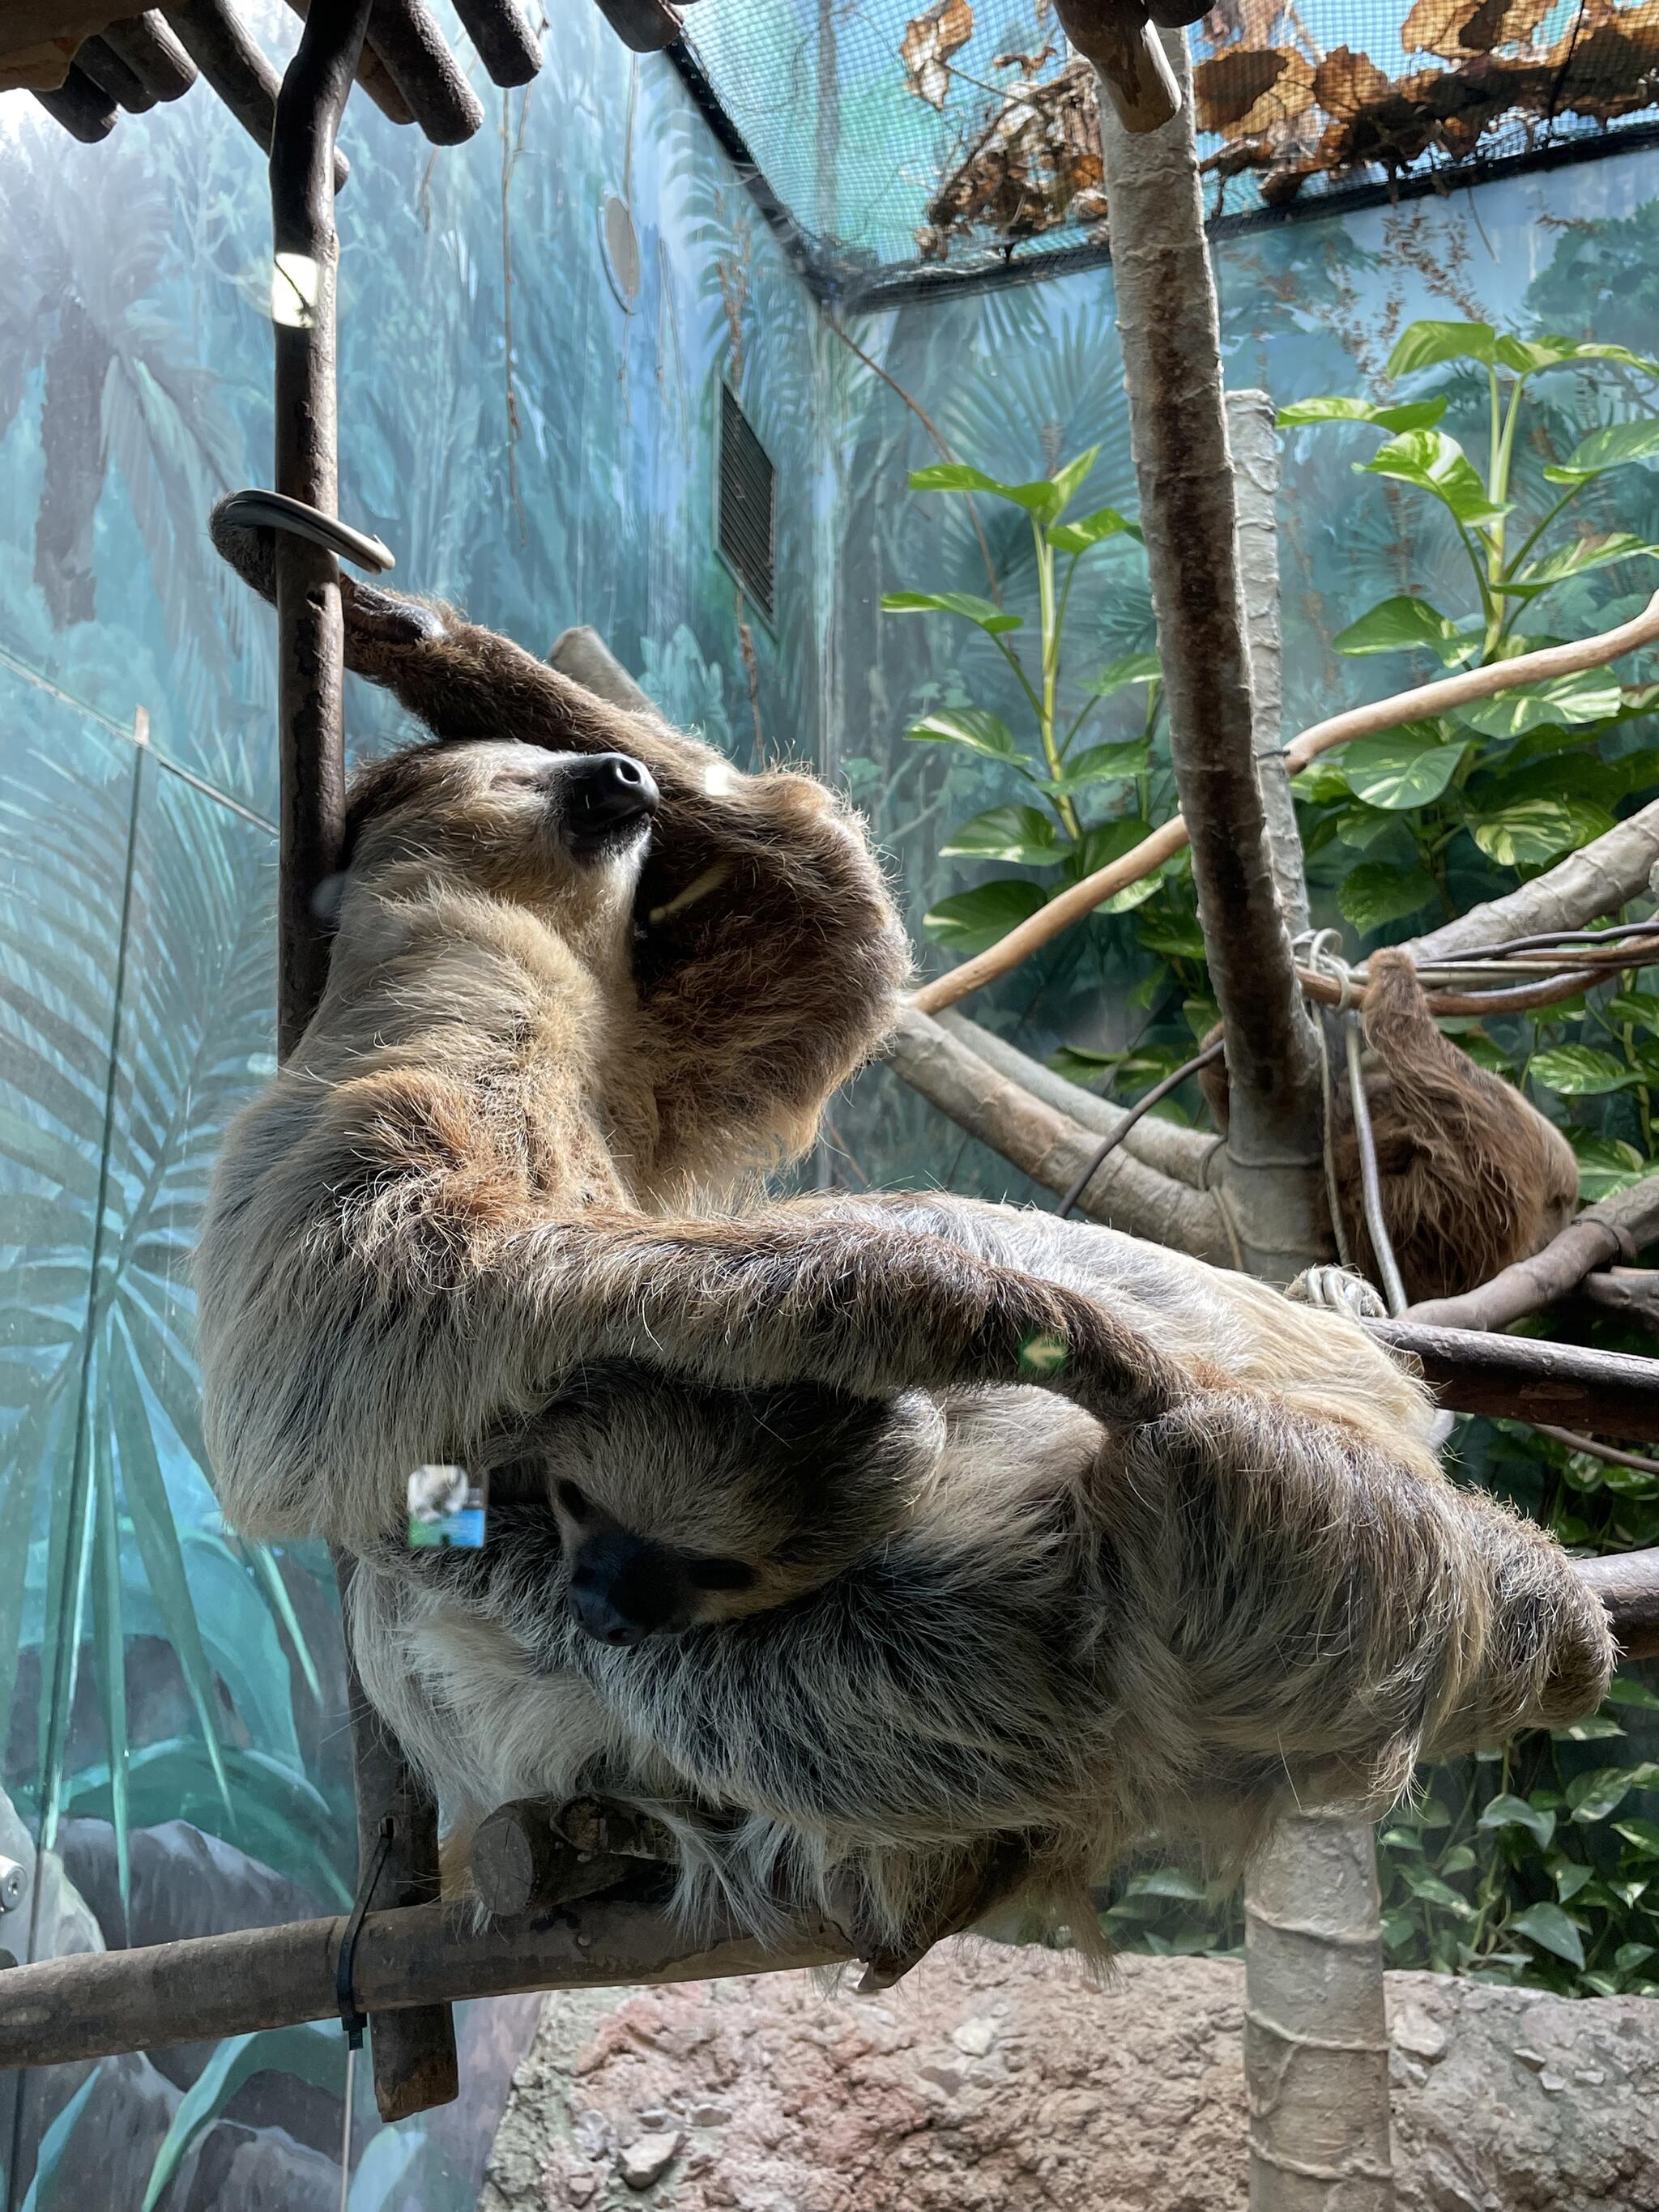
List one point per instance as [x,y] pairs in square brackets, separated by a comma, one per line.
[574,1502]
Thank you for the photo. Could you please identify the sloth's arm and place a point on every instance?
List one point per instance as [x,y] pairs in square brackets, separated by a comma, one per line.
[340,1357]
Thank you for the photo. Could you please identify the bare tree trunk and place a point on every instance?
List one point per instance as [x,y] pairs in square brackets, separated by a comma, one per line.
[1316,2044]
[1168,322]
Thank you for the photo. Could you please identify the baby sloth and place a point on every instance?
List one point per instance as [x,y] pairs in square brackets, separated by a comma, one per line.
[903,1661]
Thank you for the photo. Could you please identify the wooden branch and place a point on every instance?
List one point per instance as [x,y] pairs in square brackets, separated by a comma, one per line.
[414,2057]
[236,69]
[373,77]
[1632,1291]
[111,73]
[91,2003]
[505,45]
[1616,1228]
[1189,1155]
[1169,327]
[153,54]
[535,1853]
[1128,57]
[645,27]
[1628,1585]
[1052,1148]
[1521,1378]
[1598,879]
[410,43]
[82,108]
[1253,436]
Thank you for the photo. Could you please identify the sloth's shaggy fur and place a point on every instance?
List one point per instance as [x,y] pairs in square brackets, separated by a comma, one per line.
[1057,1539]
[1474,1177]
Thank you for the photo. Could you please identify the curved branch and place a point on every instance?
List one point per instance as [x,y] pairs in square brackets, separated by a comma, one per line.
[1049,1146]
[1164,1146]
[1586,883]
[1615,1229]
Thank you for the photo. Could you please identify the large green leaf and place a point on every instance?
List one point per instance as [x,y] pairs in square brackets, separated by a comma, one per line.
[1615,446]
[1605,1165]
[1101,764]
[1547,1925]
[1509,1811]
[970,920]
[1581,1071]
[1045,498]
[1409,415]
[1375,893]
[984,613]
[1426,344]
[1092,529]
[1592,695]
[1407,625]
[1436,464]
[1578,560]
[316,2053]
[1399,770]
[1534,831]
[1593,1796]
[966,726]
[1527,356]
[1022,834]
[1133,668]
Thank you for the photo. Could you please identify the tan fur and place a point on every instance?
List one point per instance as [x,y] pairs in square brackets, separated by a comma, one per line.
[1059,1539]
[1474,1177]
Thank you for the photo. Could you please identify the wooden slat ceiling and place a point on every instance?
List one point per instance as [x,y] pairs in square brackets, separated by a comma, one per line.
[88,62]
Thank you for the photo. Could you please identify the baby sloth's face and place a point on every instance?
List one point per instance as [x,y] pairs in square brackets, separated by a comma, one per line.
[679,1506]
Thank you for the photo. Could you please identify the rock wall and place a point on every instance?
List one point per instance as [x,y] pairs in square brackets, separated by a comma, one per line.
[1002,2081]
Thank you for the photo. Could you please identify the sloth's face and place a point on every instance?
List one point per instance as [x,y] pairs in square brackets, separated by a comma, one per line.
[562,834]
[623,1587]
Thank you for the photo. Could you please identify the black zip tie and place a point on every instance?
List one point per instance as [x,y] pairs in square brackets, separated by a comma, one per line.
[275,510]
[345,1996]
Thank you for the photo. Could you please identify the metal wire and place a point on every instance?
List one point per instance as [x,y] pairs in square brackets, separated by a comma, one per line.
[1142,1105]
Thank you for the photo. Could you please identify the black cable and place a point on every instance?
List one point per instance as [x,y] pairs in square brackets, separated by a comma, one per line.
[1110,1144]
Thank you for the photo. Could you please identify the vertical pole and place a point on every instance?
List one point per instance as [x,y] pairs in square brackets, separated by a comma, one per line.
[414,2051]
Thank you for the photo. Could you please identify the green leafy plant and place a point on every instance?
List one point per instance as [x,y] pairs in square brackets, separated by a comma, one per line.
[1061,831]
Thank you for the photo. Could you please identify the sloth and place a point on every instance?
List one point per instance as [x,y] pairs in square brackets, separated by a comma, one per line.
[896,1552]
[1472,1176]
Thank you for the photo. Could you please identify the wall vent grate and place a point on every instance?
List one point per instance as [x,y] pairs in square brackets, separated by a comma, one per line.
[747,505]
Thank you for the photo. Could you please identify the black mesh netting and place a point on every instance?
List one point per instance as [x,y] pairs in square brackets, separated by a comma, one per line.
[965,132]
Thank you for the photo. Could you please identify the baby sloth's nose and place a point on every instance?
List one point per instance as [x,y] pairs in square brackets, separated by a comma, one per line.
[606,791]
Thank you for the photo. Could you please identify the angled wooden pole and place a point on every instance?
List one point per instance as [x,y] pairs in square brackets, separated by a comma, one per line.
[414,2051]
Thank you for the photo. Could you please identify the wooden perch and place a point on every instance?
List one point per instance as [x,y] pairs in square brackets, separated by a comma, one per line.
[227,58]
[153,54]
[1615,854]
[1052,1148]
[1521,1378]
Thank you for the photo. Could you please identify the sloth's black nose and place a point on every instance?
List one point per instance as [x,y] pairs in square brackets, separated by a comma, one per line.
[604,793]
[602,1620]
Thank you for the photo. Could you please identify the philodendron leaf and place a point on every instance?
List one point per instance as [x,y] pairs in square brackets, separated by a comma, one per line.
[1406,625]
[1410,414]
[1046,498]
[970,921]
[1507,1811]
[1605,1165]
[1534,831]
[1023,834]
[988,616]
[1133,668]
[1592,695]
[1577,560]
[1438,463]
[1426,344]
[1547,1925]
[1399,770]
[1604,1789]
[1581,1071]
[1527,356]
[1613,447]
[1101,764]
[1105,842]
[1375,893]
[966,726]
[1091,529]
